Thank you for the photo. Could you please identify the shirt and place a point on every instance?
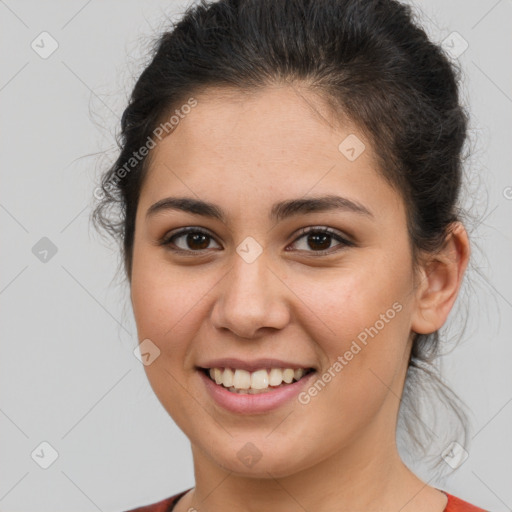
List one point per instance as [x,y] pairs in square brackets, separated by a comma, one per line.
[454,505]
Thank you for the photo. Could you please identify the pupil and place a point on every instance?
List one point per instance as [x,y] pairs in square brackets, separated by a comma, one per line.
[321,236]
[193,238]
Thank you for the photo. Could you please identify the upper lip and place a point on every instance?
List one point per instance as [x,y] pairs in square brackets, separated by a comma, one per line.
[253,365]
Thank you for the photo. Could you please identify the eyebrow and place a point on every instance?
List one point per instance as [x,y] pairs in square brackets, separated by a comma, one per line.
[279,211]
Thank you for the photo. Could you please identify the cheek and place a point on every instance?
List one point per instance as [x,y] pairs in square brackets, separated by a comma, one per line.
[166,304]
[163,298]
[365,321]
[347,303]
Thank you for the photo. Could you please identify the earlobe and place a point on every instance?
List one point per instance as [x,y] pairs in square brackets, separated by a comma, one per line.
[441,277]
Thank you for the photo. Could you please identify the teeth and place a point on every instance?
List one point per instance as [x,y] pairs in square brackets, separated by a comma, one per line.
[216,375]
[260,381]
[298,374]
[241,380]
[288,375]
[227,377]
[275,377]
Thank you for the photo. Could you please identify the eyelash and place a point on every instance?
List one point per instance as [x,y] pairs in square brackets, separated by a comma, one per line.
[167,240]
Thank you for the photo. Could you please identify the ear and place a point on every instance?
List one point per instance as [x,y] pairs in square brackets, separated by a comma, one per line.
[439,281]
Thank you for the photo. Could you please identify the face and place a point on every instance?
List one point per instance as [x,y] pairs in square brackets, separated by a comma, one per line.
[325,289]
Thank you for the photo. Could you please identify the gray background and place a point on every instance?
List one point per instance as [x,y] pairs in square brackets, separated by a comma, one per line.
[68,375]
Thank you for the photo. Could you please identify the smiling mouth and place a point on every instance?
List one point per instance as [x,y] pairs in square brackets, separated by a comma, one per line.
[252,383]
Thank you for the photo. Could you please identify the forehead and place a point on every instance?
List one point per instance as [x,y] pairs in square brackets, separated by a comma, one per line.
[280,141]
[276,122]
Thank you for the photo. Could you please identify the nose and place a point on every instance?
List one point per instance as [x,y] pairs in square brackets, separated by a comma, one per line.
[252,299]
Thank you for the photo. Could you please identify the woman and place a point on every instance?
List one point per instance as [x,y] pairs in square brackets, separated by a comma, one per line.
[288,187]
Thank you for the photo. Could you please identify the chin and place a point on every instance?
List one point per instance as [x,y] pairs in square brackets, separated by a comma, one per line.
[259,457]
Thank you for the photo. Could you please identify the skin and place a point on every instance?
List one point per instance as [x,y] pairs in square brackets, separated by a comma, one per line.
[244,152]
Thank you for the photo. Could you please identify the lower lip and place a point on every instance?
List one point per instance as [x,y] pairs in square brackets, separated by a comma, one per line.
[252,404]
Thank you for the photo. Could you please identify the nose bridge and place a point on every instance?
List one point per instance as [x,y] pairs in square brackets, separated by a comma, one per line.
[251,297]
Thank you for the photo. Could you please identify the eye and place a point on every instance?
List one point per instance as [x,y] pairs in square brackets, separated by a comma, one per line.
[320,238]
[195,240]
